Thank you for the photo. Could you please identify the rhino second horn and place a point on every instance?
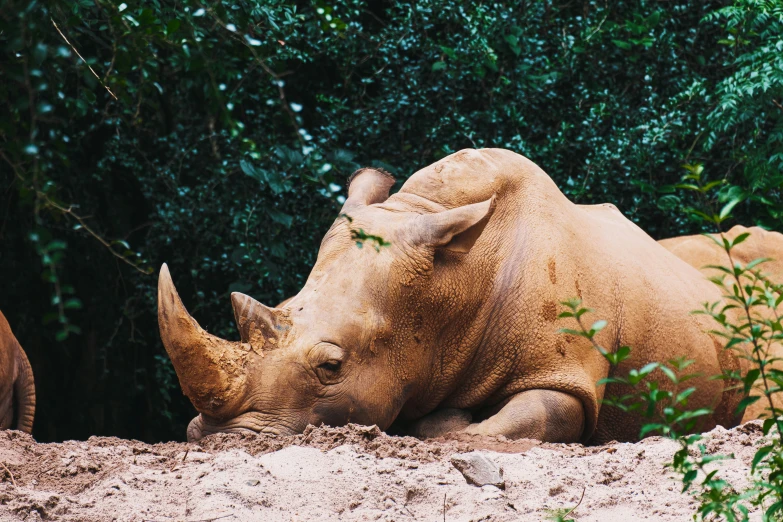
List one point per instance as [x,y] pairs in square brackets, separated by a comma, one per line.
[255,321]
[210,369]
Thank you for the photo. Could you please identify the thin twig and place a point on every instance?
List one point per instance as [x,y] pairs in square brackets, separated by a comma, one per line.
[85,61]
[183,459]
[577,504]
[69,211]
[9,473]
[444,507]
[94,234]
[200,520]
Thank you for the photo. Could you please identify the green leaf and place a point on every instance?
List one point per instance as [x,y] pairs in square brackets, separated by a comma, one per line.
[439,66]
[689,477]
[648,368]
[598,326]
[757,262]
[280,217]
[619,356]
[276,182]
[172,27]
[683,395]
[668,202]
[570,331]
[648,428]
[621,44]
[448,51]
[669,373]
[771,510]
[740,238]
[250,170]
[727,208]
[747,401]
[761,453]
[72,304]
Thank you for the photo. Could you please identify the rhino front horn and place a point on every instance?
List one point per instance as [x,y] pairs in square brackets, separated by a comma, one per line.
[210,369]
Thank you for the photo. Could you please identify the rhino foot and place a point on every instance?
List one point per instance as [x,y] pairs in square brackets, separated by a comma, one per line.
[440,422]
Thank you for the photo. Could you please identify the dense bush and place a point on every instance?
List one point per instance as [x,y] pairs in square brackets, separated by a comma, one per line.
[218,139]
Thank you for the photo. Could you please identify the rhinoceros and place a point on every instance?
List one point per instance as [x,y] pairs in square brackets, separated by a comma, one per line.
[17,387]
[458,314]
[702,252]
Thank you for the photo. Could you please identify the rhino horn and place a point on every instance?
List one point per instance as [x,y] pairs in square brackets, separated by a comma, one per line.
[367,186]
[210,369]
[256,322]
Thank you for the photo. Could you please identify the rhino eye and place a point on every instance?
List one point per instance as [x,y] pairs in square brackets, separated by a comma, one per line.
[327,360]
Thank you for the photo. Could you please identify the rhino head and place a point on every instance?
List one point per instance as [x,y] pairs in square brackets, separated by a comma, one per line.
[333,353]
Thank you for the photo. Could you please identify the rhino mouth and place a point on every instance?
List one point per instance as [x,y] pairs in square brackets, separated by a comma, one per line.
[250,422]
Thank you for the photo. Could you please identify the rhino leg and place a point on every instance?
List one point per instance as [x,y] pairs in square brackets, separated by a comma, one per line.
[440,422]
[546,415]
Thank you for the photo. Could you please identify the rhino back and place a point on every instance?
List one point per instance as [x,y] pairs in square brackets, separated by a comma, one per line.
[700,251]
[538,250]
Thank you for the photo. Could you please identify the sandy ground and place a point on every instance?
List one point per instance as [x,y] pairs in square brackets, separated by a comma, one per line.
[351,473]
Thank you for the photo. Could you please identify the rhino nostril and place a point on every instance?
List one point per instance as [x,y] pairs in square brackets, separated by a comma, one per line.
[331,366]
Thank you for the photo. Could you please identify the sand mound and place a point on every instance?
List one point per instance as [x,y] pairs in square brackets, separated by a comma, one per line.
[350,473]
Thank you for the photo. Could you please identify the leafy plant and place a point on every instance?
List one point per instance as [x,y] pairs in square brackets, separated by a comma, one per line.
[360,236]
[749,320]
[562,514]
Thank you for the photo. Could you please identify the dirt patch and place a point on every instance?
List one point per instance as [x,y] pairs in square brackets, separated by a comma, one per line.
[350,473]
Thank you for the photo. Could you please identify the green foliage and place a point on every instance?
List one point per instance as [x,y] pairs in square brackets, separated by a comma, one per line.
[750,100]
[360,236]
[218,138]
[749,321]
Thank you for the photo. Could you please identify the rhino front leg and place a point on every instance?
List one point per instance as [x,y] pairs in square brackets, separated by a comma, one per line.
[546,415]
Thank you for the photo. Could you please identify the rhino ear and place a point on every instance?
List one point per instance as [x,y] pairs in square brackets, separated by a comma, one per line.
[368,186]
[457,229]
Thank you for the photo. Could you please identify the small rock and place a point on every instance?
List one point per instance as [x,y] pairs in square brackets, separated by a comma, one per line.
[33,516]
[478,469]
